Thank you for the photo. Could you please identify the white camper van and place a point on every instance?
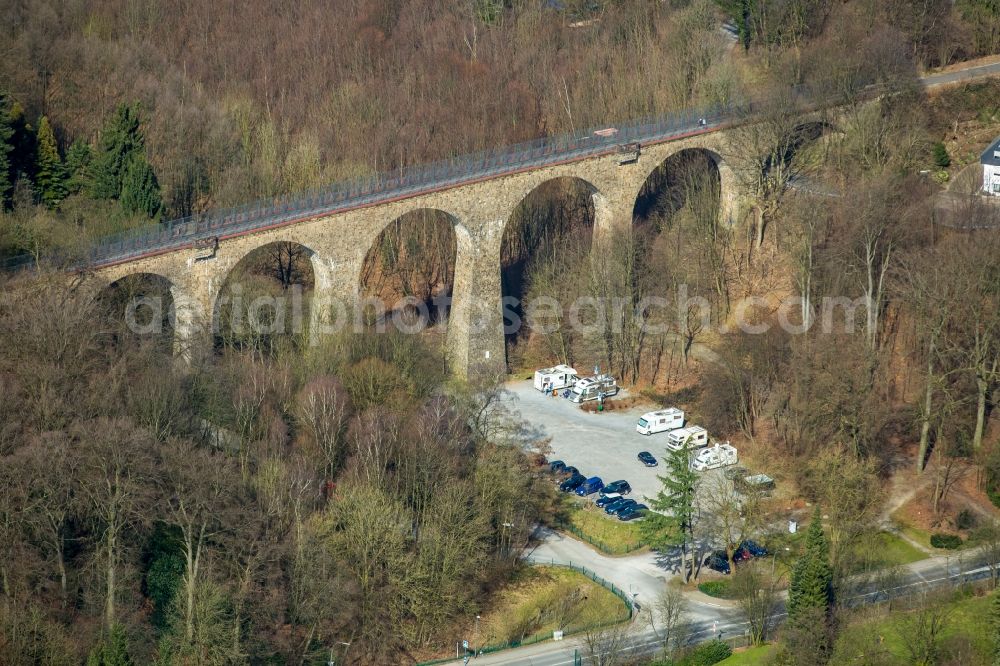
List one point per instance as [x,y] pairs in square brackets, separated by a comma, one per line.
[590,388]
[555,378]
[661,421]
[720,455]
[695,436]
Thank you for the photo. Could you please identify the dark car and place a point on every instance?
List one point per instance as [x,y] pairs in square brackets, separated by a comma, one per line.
[633,512]
[557,466]
[647,459]
[572,483]
[718,561]
[569,470]
[611,506]
[607,499]
[590,486]
[621,487]
[748,550]
[615,508]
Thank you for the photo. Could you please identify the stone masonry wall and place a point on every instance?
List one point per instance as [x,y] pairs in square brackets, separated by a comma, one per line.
[480,211]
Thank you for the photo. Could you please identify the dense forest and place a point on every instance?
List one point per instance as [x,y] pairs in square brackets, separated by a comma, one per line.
[274,501]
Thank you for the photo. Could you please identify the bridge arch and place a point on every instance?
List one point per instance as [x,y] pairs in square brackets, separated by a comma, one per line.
[268,297]
[152,306]
[560,216]
[409,269]
[669,185]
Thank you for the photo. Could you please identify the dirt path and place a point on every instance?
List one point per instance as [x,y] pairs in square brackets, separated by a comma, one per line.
[904,489]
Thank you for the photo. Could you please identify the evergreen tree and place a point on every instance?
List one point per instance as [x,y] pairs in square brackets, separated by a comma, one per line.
[121,140]
[677,498]
[811,585]
[6,134]
[112,650]
[809,631]
[50,173]
[78,159]
[22,154]
[941,157]
[140,189]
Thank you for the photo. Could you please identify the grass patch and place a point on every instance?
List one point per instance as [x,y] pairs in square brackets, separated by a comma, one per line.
[884,638]
[540,600]
[897,550]
[918,535]
[604,532]
[753,656]
[884,549]
[720,589]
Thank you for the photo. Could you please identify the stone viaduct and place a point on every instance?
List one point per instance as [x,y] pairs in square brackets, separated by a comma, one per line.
[338,242]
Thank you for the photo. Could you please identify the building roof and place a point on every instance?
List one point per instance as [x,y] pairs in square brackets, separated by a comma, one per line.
[991,155]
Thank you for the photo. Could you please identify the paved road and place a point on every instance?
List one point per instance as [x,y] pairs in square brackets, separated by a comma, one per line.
[707,621]
[959,75]
[643,575]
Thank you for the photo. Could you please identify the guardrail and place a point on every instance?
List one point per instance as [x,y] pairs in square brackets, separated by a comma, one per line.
[539,638]
[425,178]
[403,183]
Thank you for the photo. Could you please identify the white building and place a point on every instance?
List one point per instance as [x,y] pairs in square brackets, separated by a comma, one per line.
[991,168]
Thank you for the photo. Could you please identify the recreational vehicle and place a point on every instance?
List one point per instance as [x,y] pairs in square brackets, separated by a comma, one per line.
[661,421]
[555,378]
[695,436]
[592,388]
[720,455]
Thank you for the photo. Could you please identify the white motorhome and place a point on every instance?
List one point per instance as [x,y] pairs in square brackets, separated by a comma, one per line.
[555,378]
[591,388]
[720,455]
[661,421]
[695,436]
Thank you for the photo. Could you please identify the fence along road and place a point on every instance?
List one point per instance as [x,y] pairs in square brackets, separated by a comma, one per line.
[918,578]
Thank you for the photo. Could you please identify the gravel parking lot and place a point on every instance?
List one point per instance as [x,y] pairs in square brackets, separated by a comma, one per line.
[598,444]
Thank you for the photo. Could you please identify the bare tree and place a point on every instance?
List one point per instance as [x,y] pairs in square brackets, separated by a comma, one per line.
[54,468]
[112,484]
[608,645]
[729,517]
[988,536]
[668,618]
[762,155]
[756,593]
[324,408]
[199,491]
[922,628]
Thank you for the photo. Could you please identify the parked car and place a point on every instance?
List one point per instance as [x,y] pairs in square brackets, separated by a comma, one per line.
[633,512]
[572,483]
[647,459]
[606,499]
[718,561]
[748,550]
[756,484]
[566,472]
[590,486]
[557,466]
[621,487]
[615,508]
